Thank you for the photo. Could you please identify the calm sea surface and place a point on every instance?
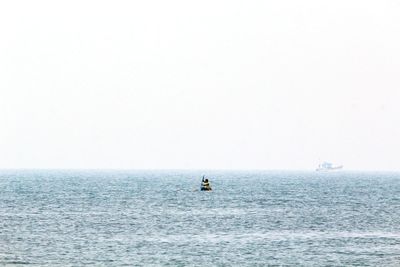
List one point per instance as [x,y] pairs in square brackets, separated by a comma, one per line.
[145,218]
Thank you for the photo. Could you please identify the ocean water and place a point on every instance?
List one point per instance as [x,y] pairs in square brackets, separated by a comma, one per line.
[160,218]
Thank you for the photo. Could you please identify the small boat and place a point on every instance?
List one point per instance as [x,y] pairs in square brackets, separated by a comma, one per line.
[327,166]
[205,185]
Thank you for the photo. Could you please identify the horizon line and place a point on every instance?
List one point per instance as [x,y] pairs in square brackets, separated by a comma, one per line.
[188,169]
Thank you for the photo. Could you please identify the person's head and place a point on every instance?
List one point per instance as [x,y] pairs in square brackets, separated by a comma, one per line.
[206,180]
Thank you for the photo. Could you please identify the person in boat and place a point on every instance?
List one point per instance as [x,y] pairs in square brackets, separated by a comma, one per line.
[205,185]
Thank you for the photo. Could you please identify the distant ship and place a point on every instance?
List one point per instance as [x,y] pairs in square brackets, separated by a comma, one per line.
[326,166]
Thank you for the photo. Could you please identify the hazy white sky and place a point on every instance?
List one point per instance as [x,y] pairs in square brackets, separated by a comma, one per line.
[200,84]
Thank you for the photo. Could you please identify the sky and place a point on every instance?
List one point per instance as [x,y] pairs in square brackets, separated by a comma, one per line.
[221,84]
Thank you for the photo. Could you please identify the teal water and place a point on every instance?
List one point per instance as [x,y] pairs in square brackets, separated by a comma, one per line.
[144,218]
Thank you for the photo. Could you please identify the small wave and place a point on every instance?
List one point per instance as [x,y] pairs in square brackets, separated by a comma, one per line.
[15,262]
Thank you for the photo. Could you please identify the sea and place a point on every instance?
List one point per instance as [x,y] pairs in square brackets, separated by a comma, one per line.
[161,218]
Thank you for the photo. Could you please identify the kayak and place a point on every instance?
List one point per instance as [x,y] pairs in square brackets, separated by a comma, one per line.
[203,188]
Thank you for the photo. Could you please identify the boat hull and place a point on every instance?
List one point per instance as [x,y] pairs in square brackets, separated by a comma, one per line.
[329,169]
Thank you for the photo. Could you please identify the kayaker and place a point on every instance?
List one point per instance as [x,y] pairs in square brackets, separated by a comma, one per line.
[205,185]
